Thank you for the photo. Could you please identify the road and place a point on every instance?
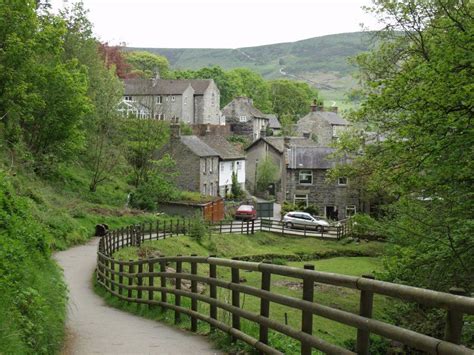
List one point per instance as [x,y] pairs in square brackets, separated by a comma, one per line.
[94,328]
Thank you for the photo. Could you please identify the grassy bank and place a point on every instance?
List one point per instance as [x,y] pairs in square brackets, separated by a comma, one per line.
[282,250]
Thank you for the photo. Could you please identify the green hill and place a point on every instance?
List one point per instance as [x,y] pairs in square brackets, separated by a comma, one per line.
[321,61]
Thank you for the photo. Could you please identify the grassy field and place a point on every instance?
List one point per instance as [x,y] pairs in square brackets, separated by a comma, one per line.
[282,250]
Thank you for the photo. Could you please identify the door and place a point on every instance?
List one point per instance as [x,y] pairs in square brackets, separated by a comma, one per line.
[331,212]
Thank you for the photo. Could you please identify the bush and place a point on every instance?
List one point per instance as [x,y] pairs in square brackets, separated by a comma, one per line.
[288,207]
[199,228]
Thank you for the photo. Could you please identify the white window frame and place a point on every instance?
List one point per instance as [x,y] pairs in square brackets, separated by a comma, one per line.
[128,98]
[204,189]
[239,166]
[352,209]
[173,98]
[158,100]
[167,98]
[305,172]
[210,165]
[242,118]
[344,181]
[298,197]
[185,100]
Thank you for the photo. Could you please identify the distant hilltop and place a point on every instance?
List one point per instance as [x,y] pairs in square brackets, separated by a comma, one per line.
[321,61]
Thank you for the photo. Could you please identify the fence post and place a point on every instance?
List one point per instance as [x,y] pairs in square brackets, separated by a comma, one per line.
[454,320]
[265,305]
[220,227]
[164,229]
[241,227]
[131,271]
[253,226]
[213,290]
[305,230]
[194,304]
[112,275]
[120,288]
[235,299]
[365,310]
[139,280]
[150,281]
[171,227]
[177,298]
[157,229]
[231,222]
[163,279]
[307,317]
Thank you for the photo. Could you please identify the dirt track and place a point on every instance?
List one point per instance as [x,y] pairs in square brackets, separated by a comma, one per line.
[95,328]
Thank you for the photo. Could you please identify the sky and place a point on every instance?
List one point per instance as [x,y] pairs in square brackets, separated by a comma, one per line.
[220,24]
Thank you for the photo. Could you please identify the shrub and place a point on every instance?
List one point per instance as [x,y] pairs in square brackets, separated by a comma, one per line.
[199,228]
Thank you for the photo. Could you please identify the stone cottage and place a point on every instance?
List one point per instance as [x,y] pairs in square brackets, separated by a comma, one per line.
[306,182]
[323,127]
[191,101]
[197,163]
[245,119]
[231,160]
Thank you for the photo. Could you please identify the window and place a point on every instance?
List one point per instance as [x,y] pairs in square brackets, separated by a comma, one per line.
[342,181]
[222,166]
[211,190]
[239,165]
[350,210]
[204,189]
[243,119]
[185,100]
[167,98]
[306,177]
[128,98]
[213,99]
[158,100]
[204,168]
[172,98]
[301,198]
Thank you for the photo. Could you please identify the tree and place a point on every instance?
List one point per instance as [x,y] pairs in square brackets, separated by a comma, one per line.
[252,85]
[235,189]
[418,99]
[113,56]
[147,65]
[267,173]
[291,98]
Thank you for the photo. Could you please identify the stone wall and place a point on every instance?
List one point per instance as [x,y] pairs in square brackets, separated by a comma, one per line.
[323,193]
[209,175]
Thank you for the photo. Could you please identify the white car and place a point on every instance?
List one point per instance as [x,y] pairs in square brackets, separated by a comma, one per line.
[301,219]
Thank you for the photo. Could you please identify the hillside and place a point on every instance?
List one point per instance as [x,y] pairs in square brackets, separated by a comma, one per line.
[321,61]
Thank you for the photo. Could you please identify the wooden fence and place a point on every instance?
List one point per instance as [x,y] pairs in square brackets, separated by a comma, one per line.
[150,281]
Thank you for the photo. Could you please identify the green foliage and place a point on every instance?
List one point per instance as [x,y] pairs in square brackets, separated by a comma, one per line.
[198,228]
[301,206]
[417,141]
[147,65]
[185,129]
[267,173]
[238,139]
[291,99]
[235,189]
[33,293]
[158,186]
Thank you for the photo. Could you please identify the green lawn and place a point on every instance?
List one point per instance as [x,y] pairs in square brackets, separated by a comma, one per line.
[283,250]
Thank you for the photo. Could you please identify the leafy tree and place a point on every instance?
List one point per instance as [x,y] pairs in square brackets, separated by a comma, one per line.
[142,139]
[235,188]
[291,99]
[113,56]
[417,146]
[159,185]
[267,173]
[147,65]
[251,84]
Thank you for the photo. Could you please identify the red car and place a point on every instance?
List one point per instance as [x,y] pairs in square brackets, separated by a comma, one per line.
[246,212]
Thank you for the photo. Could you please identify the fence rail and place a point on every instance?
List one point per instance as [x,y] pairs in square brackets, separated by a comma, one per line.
[149,281]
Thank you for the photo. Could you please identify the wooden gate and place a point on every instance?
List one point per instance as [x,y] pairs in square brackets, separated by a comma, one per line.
[214,211]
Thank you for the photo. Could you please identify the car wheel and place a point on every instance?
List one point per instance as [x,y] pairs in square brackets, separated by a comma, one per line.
[289,225]
[319,228]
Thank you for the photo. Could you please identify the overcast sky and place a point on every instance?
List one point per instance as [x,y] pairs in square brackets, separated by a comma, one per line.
[220,24]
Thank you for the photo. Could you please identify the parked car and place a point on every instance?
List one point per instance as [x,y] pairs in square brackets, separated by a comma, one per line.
[302,219]
[246,212]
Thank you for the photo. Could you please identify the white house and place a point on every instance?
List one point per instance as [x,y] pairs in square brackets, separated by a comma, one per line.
[231,159]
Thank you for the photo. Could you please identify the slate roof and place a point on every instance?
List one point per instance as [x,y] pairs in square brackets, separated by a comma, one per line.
[138,86]
[279,143]
[225,149]
[273,122]
[242,103]
[310,158]
[198,147]
[331,117]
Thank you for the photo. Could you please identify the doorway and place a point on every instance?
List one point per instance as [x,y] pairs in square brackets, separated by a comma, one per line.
[331,213]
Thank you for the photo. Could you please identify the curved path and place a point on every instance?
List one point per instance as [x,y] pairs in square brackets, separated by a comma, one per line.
[95,328]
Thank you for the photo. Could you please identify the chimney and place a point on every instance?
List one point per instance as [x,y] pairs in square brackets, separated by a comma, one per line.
[286,142]
[315,107]
[208,130]
[156,77]
[175,130]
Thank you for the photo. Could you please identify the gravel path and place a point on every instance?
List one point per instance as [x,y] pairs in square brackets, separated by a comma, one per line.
[95,328]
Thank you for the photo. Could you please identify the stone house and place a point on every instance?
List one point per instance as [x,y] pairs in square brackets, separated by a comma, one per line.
[306,182]
[245,119]
[197,163]
[231,160]
[191,101]
[274,125]
[323,127]
[303,166]
[272,148]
